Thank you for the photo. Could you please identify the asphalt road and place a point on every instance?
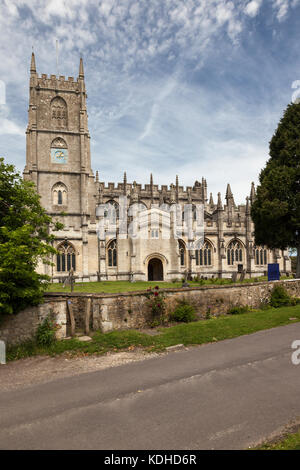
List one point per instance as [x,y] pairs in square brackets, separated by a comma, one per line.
[227,395]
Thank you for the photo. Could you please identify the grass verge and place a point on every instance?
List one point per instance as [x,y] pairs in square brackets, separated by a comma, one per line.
[289,441]
[199,332]
[126,286]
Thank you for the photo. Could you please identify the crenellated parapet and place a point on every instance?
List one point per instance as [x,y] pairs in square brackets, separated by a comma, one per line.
[174,193]
[57,83]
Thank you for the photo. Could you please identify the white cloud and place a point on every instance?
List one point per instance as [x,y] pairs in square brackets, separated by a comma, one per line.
[165,92]
[252,8]
[282,7]
[9,127]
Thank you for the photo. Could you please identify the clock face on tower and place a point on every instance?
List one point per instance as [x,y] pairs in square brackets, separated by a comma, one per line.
[59,155]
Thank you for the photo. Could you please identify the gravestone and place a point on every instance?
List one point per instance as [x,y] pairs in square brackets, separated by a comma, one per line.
[70,280]
[242,276]
[71,316]
[2,352]
[184,283]
[87,317]
[234,276]
[240,268]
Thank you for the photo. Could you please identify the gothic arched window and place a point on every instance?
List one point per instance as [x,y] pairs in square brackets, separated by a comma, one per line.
[204,255]
[111,211]
[112,253]
[59,113]
[59,197]
[234,252]
[261,256]
[186,212]
[59,194]
[182,252]
[66,257]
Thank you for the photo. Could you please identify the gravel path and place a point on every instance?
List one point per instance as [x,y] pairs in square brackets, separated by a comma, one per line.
[41,369]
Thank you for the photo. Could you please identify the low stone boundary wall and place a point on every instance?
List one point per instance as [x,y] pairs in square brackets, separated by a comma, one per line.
[18,328]
[107,312]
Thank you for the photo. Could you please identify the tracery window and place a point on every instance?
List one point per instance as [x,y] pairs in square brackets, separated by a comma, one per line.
[59,113]
[59,194]
[66,257]
[182,252]
[204,255]
[111,211]
[234,252]
[260,255]
[112,253]
[186,212]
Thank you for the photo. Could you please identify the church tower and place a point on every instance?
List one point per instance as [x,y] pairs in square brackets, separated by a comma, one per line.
[58,143]
[58,161]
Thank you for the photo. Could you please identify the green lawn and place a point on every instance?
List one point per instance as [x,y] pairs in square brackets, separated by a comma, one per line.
[199,332]
[288,442]
[126,286]
[111,286]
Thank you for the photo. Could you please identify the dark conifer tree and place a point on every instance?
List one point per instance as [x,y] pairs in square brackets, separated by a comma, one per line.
[276,209]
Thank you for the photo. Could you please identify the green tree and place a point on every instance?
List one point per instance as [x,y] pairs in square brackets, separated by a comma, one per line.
[276,209]
[25,240]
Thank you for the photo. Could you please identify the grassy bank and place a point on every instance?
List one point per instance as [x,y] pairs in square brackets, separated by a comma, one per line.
[199,332]
[126,286]
[287,442]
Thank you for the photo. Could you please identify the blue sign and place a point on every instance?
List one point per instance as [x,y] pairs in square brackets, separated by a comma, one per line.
[273,272]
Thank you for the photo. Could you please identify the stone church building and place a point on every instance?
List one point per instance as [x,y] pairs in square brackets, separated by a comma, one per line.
[58,161]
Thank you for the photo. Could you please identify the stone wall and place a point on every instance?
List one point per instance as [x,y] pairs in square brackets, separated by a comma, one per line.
[131,310]
[22,327]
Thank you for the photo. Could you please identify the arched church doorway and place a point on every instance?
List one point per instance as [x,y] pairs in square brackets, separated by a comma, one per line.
[155,270]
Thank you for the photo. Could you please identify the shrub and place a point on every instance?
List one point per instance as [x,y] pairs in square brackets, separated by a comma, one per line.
[184,312]
[45,335]
[280,297]
[237,310]
[25,241]
[264,305]
[157,306]
[208,316]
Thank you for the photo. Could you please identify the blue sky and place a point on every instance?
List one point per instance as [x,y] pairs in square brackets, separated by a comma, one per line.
[188,87]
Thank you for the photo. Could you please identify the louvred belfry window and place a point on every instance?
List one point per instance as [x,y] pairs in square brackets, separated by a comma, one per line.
[59,113]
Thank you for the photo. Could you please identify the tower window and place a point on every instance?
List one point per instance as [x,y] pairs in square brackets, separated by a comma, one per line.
[59,114]
[59,194]
[59,197]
